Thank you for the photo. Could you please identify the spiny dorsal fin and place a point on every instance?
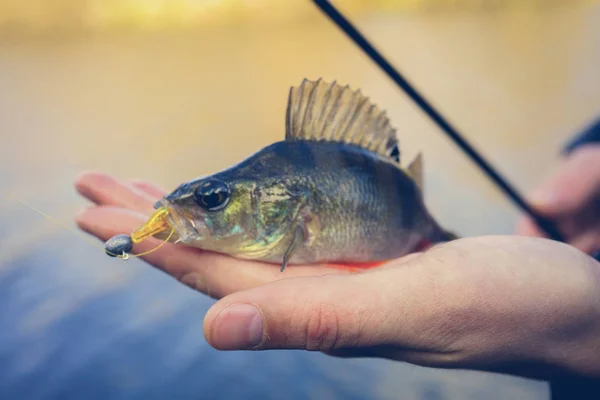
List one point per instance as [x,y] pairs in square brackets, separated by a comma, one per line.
[415,170]
[323,111]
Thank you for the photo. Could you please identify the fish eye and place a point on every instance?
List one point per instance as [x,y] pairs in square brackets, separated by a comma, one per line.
[212,195]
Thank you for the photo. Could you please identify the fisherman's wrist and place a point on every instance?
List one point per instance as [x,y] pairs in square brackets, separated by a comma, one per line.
[578,353]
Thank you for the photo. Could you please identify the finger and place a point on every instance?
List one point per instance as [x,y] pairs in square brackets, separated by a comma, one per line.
[102,189]
[589,242]
[526,227]
[378,308]
[213,274]
[150,189]
[575,184]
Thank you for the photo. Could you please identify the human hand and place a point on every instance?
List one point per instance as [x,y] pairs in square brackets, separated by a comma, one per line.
[525,306]
[507,304]
[571,197]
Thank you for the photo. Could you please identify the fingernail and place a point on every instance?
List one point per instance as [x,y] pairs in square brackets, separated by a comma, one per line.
[238,327]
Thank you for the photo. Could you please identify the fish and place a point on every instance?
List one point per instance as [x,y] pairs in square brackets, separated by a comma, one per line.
[332,192]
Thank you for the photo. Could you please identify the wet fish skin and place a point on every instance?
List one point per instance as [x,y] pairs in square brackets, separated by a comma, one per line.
[361,206]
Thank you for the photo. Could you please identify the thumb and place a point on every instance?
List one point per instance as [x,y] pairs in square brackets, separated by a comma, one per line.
[376,308]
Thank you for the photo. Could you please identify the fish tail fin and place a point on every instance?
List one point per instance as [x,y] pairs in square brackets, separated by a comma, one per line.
[449,236]
[442,235]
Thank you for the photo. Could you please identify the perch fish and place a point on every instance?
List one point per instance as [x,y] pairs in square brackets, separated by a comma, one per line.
[333,191]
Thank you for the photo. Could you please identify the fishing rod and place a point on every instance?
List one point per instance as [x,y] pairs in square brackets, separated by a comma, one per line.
[491,172]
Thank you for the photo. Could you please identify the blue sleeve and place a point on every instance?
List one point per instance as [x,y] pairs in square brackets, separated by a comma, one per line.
[591,134]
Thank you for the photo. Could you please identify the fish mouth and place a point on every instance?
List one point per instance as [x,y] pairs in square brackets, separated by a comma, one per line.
[184,226]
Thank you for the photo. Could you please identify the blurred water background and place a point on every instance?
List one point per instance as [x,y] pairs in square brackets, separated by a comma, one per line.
[168,90]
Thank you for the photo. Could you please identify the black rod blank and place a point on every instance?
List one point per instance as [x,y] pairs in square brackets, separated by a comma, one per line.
[494,175]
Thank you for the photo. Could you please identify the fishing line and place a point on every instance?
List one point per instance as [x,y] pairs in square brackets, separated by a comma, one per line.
[124,256]
[491,172]
[163,128]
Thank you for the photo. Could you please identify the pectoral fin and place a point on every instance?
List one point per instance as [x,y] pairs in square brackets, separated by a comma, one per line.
[297,240]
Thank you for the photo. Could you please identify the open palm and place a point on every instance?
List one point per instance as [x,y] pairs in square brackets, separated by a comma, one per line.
[121,207]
